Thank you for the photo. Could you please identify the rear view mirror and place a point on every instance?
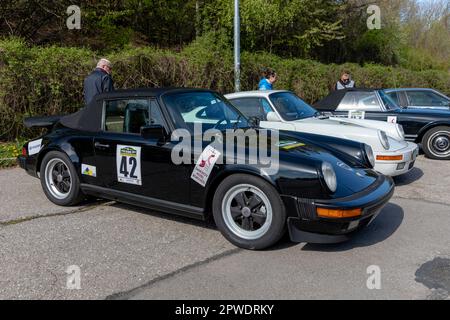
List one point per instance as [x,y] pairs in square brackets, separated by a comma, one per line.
[154,131]
[273,117]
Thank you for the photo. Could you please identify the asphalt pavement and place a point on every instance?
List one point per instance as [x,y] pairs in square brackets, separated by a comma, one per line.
[125,252]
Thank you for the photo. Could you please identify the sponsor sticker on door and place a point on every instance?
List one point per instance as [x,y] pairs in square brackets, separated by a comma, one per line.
[88,170]
[204,165]
[128,161]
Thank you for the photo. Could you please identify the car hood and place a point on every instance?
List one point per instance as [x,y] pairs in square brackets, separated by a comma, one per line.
[390,128]
[304,156]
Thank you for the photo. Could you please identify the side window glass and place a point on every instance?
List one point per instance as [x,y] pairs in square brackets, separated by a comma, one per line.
[394,96]
[250,107]
[156,116]
[126,116]
[266,107]
[417,98]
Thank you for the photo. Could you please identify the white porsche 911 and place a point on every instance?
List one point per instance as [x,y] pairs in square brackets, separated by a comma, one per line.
[283,110]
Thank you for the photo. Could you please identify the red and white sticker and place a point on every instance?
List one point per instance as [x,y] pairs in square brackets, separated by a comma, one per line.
[205,164]
[392,119]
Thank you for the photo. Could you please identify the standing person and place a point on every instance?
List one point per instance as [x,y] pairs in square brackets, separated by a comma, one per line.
[345,82]
[98,81]
[269,78]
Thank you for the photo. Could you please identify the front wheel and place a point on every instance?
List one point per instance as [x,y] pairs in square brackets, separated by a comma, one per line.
[249,212]
[59,179]
[436,143]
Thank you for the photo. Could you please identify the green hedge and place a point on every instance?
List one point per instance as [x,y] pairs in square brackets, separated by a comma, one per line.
[49,80]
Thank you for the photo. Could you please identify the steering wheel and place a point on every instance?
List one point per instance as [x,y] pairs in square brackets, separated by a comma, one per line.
[220,121]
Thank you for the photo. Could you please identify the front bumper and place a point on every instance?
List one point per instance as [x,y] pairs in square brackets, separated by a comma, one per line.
[398,167]
[307,226]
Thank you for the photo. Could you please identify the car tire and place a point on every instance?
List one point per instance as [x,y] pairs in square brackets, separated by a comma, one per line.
[60,180]
[436,143]
[249,212]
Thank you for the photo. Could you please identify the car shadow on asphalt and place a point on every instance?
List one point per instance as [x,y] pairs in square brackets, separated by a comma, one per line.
[381,229]
[209,224]
[414,175]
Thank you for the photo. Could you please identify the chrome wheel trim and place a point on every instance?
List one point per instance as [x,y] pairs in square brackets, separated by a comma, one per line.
[239,222]
[58,179]
[439,144]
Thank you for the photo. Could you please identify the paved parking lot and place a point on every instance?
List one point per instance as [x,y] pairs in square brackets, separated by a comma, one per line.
[125,252]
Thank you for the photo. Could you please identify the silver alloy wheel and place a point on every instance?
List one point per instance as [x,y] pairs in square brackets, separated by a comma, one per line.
[439,144]
[58,179]
[247,212]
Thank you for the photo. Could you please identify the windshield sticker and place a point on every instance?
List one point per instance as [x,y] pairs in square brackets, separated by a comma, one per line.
[128,161]
[354,114]
[392,119]
[88,170]
[289,144]
[205,164]
[34,147]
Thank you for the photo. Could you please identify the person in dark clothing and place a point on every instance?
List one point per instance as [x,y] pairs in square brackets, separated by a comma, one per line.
[345,82]
[98,81]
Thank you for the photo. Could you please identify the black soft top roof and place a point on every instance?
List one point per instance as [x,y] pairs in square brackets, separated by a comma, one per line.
[332,101]
[90,117]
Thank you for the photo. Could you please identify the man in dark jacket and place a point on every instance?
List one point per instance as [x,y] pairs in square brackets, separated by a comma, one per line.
[98,81]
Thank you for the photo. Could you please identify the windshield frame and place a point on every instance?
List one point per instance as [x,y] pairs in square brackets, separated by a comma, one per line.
[314,113]
[388,102]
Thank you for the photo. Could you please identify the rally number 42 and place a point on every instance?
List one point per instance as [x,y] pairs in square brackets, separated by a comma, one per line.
[128,160]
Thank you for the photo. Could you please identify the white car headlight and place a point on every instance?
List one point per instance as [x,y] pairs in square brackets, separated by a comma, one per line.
[329,175]
[370,155]
[401,132]
[384,139]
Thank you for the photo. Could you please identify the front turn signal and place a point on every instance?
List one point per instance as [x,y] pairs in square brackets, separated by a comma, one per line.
[338,214]
[390,158]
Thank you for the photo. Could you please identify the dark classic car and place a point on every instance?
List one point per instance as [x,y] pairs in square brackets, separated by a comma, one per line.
[427,127]
[419,98]
[121,147]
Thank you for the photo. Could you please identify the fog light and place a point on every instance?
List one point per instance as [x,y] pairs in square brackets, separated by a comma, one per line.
[338,214]
[401,166]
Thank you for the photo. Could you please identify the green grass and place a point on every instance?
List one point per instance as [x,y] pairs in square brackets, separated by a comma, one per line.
[9,151]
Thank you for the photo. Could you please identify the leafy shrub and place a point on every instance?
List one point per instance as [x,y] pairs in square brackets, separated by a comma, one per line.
[49,80]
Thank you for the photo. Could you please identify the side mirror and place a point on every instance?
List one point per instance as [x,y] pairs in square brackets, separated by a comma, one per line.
[154,131]
[273,117]
[254,121]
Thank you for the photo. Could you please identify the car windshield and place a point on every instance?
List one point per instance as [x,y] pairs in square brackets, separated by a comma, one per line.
[291,107]
[205,108]
[389,103]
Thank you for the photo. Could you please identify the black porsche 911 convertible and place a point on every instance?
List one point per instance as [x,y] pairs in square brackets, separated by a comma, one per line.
[428,127]
[121,147]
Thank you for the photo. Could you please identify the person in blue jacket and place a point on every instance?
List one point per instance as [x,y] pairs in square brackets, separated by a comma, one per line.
[269,78]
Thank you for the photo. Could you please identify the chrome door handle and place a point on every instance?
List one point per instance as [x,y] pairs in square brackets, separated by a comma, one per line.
[101,146]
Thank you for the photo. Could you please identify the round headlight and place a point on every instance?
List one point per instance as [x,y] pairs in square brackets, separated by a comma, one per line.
[329,175]
[384,139]
[401,132]
[369,155]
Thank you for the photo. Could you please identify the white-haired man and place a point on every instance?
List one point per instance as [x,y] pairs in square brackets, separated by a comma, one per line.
[98,81]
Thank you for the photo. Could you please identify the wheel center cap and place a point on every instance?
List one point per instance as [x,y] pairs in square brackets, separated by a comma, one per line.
[59,178]
[246,212]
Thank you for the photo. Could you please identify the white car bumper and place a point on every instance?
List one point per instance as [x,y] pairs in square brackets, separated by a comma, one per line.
[399,166]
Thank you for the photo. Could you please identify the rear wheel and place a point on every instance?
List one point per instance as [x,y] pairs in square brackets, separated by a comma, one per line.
[59,179]
[249,212]
[436,143]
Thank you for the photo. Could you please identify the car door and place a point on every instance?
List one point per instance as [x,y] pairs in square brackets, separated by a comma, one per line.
[128,162]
